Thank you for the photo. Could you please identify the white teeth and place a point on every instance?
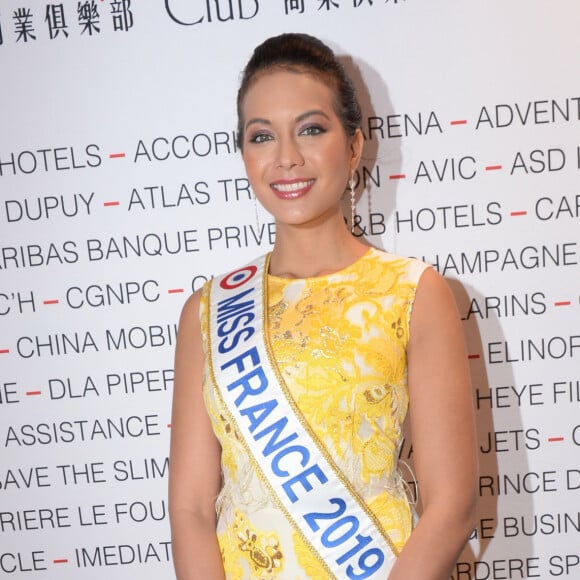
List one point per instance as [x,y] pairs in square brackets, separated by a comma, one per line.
[289,187]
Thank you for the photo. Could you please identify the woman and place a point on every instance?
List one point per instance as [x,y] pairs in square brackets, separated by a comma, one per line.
[285,438]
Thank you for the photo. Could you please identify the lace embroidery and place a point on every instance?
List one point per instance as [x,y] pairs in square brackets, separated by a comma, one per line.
[259,550]
[340,344]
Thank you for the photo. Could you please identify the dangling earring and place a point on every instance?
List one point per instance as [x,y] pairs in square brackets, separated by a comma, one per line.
[256,212]
[352,202]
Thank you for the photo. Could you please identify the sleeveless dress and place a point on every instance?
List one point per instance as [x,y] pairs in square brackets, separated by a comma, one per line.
[340,344]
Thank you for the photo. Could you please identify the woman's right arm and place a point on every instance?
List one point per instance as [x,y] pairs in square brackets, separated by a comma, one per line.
[194,467]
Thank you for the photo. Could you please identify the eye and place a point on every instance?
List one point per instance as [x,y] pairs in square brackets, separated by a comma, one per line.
[312,130]
[260,138]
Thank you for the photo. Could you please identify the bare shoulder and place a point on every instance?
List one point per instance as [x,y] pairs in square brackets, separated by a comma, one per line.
[189,320]
[432,287]
[189,349]
[191,308]
[434,303]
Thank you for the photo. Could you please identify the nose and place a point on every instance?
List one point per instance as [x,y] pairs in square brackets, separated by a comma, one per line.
[288,153]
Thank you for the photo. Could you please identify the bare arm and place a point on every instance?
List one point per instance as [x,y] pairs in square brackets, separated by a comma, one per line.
[194,468]
[443,432]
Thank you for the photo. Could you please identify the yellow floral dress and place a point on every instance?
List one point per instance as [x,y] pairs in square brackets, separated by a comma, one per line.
[340,345]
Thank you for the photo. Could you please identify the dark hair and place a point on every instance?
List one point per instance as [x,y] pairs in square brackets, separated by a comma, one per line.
[303,53]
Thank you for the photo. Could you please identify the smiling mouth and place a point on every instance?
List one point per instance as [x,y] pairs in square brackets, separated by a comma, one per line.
[292,189]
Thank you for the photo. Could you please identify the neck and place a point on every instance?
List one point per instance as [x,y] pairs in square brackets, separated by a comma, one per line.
[308,252]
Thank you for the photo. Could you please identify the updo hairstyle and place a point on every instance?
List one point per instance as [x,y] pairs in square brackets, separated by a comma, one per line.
[302,53]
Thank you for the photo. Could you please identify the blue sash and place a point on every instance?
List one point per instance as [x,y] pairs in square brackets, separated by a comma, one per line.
[315,496]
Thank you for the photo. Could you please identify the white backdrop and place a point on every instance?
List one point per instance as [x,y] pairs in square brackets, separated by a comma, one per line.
[121,190]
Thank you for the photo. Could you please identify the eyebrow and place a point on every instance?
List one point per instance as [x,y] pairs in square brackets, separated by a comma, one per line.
[300,117]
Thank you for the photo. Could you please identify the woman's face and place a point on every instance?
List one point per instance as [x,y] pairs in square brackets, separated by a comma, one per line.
[297,155]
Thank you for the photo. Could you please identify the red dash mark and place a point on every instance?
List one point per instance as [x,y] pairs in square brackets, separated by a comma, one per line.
[110,203]
[116,155]
[398,176]
[516,213]
[563,303]
[175,291]
[459,122]
[493,167]
[60,561]
[472,356]
[50,301]
[33,393]
[555,439]
[169,425]
[4,350]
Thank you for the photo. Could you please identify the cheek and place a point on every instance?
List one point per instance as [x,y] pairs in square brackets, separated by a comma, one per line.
[255,171]
[255,157]
[337,154]
[339,162]
[250,164]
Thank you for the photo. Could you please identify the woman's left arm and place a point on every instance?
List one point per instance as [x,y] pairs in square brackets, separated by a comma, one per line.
[443,434]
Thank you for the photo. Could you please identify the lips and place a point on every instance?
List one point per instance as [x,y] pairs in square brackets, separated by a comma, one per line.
[292,189]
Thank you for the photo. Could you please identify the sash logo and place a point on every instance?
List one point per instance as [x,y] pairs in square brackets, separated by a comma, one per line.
[238,278]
